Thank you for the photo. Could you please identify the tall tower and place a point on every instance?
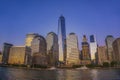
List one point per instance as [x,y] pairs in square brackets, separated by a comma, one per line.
[93,48]
[62,39]
[109,40]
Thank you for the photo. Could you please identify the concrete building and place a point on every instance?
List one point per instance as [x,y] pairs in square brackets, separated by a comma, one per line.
[101,55]
[85,55]
[6,51]
[109,40]
[29,38]
[18,54]
[72,57]
[38,45]
[52,49]
[93,48]
[62,39]
[116,49]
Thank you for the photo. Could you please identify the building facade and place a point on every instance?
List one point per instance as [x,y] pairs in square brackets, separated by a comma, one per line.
[109,40]
[52,48]
[6,51]
[29,38]
[18,54]
[101,55]
[62,39]
[38,46]
[116,49]
[72,57]
[93,48]
[85,53]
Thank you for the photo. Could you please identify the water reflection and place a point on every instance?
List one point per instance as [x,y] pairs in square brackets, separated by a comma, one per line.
[59,74]
[94,73]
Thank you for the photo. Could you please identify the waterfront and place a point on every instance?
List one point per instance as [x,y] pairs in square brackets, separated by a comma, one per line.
[59,74]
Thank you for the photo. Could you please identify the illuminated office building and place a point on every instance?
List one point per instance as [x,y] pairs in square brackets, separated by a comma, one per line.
[62,39]
[18,54]
[38,46]
[93,48]
[52,48]
[72,57]
[29,38]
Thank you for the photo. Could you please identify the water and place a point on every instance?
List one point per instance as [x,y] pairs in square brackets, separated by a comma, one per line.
[59,74]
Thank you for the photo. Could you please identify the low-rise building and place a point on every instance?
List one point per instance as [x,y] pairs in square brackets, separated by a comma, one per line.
[18,55]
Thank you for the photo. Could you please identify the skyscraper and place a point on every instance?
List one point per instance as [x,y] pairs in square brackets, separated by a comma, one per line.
[72,50]
[109,40]
[85,55]
[38,46]
[93,48]
[52,48]
[62,39]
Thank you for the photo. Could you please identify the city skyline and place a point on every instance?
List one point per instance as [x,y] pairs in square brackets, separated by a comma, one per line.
[17,18]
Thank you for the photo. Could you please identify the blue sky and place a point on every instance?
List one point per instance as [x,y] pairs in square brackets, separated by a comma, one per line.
[19,17]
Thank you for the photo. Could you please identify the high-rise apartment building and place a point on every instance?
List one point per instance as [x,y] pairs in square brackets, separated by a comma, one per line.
[109,40]
[116,49]
[93,48]
[85,55]
[6,51]
[18,54]
[52,48]
[62,39]
[72,57]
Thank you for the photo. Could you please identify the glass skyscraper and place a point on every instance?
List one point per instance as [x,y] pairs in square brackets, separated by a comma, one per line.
[93,48]
[62,39]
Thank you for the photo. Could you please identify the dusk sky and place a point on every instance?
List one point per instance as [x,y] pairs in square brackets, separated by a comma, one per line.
[19,17]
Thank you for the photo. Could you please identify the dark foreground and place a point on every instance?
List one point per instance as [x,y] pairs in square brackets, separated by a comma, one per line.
[59,74]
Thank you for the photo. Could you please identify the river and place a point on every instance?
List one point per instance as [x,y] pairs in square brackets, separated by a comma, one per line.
[59,74]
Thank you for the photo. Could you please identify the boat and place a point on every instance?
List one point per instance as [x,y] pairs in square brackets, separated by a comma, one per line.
[83,68]
[52,68]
